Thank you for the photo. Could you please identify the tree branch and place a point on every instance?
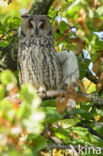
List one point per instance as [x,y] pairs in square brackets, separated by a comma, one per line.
[7,33]
[96,99]
[91,77]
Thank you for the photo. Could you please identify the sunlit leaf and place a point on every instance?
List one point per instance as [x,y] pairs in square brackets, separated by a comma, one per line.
[52,115]
[100,10]
[2,91]
[7,77]
[66,123]
[29,95]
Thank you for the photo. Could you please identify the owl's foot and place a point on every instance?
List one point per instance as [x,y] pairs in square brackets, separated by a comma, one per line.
[75,84]
[42,90]
[65,86]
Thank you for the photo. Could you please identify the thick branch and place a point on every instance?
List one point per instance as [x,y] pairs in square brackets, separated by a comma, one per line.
[54,93]
[95,98]
[51,94]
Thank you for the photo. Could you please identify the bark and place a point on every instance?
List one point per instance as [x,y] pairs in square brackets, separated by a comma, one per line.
[41,7]
[8,59]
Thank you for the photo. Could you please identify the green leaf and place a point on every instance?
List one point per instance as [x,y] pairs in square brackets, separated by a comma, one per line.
[33,115]
[63,135]
[83,66]
[66,123]
[6,109]
[49,103]
[33,122]
[7,77]
[80,130]
[96,141]
[52,115]
[75,3]
[2,92]
[62,26]
[83,112]
[100,10]
[39,144]
[29,95]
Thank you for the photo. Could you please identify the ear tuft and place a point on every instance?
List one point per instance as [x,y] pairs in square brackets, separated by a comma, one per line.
[49,17]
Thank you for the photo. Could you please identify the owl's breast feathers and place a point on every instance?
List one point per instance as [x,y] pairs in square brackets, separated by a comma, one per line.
[38,63]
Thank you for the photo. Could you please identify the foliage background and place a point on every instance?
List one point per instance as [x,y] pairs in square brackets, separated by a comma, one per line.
[30,126]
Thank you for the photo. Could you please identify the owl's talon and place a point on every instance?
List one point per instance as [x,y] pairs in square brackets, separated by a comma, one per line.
[75,84]
[65,86]
[42,90]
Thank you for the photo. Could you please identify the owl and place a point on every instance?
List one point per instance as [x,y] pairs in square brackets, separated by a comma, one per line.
[37,59]
[38,62]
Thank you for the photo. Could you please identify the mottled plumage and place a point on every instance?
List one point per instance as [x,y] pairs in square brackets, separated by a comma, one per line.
[37,60]
[36,54]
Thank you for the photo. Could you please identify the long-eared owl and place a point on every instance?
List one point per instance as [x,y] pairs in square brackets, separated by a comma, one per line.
[37,59]
[38,62]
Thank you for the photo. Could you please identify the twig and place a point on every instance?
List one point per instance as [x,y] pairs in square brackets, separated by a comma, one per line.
[96,99]
[56,15]
[90,76]
[8,38]
[1,38]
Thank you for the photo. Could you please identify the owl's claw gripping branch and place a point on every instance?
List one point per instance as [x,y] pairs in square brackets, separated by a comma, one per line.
[41,90]
[65,86]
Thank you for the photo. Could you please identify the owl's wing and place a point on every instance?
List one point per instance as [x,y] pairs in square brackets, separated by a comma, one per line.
[69,66]
[70,70]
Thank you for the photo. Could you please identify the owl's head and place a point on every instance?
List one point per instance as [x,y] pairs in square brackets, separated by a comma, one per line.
[35,25]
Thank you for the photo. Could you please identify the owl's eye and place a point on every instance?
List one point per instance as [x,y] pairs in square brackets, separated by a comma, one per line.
[42,24]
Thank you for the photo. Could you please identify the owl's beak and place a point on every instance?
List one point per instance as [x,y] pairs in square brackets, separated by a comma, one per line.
[36,31]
